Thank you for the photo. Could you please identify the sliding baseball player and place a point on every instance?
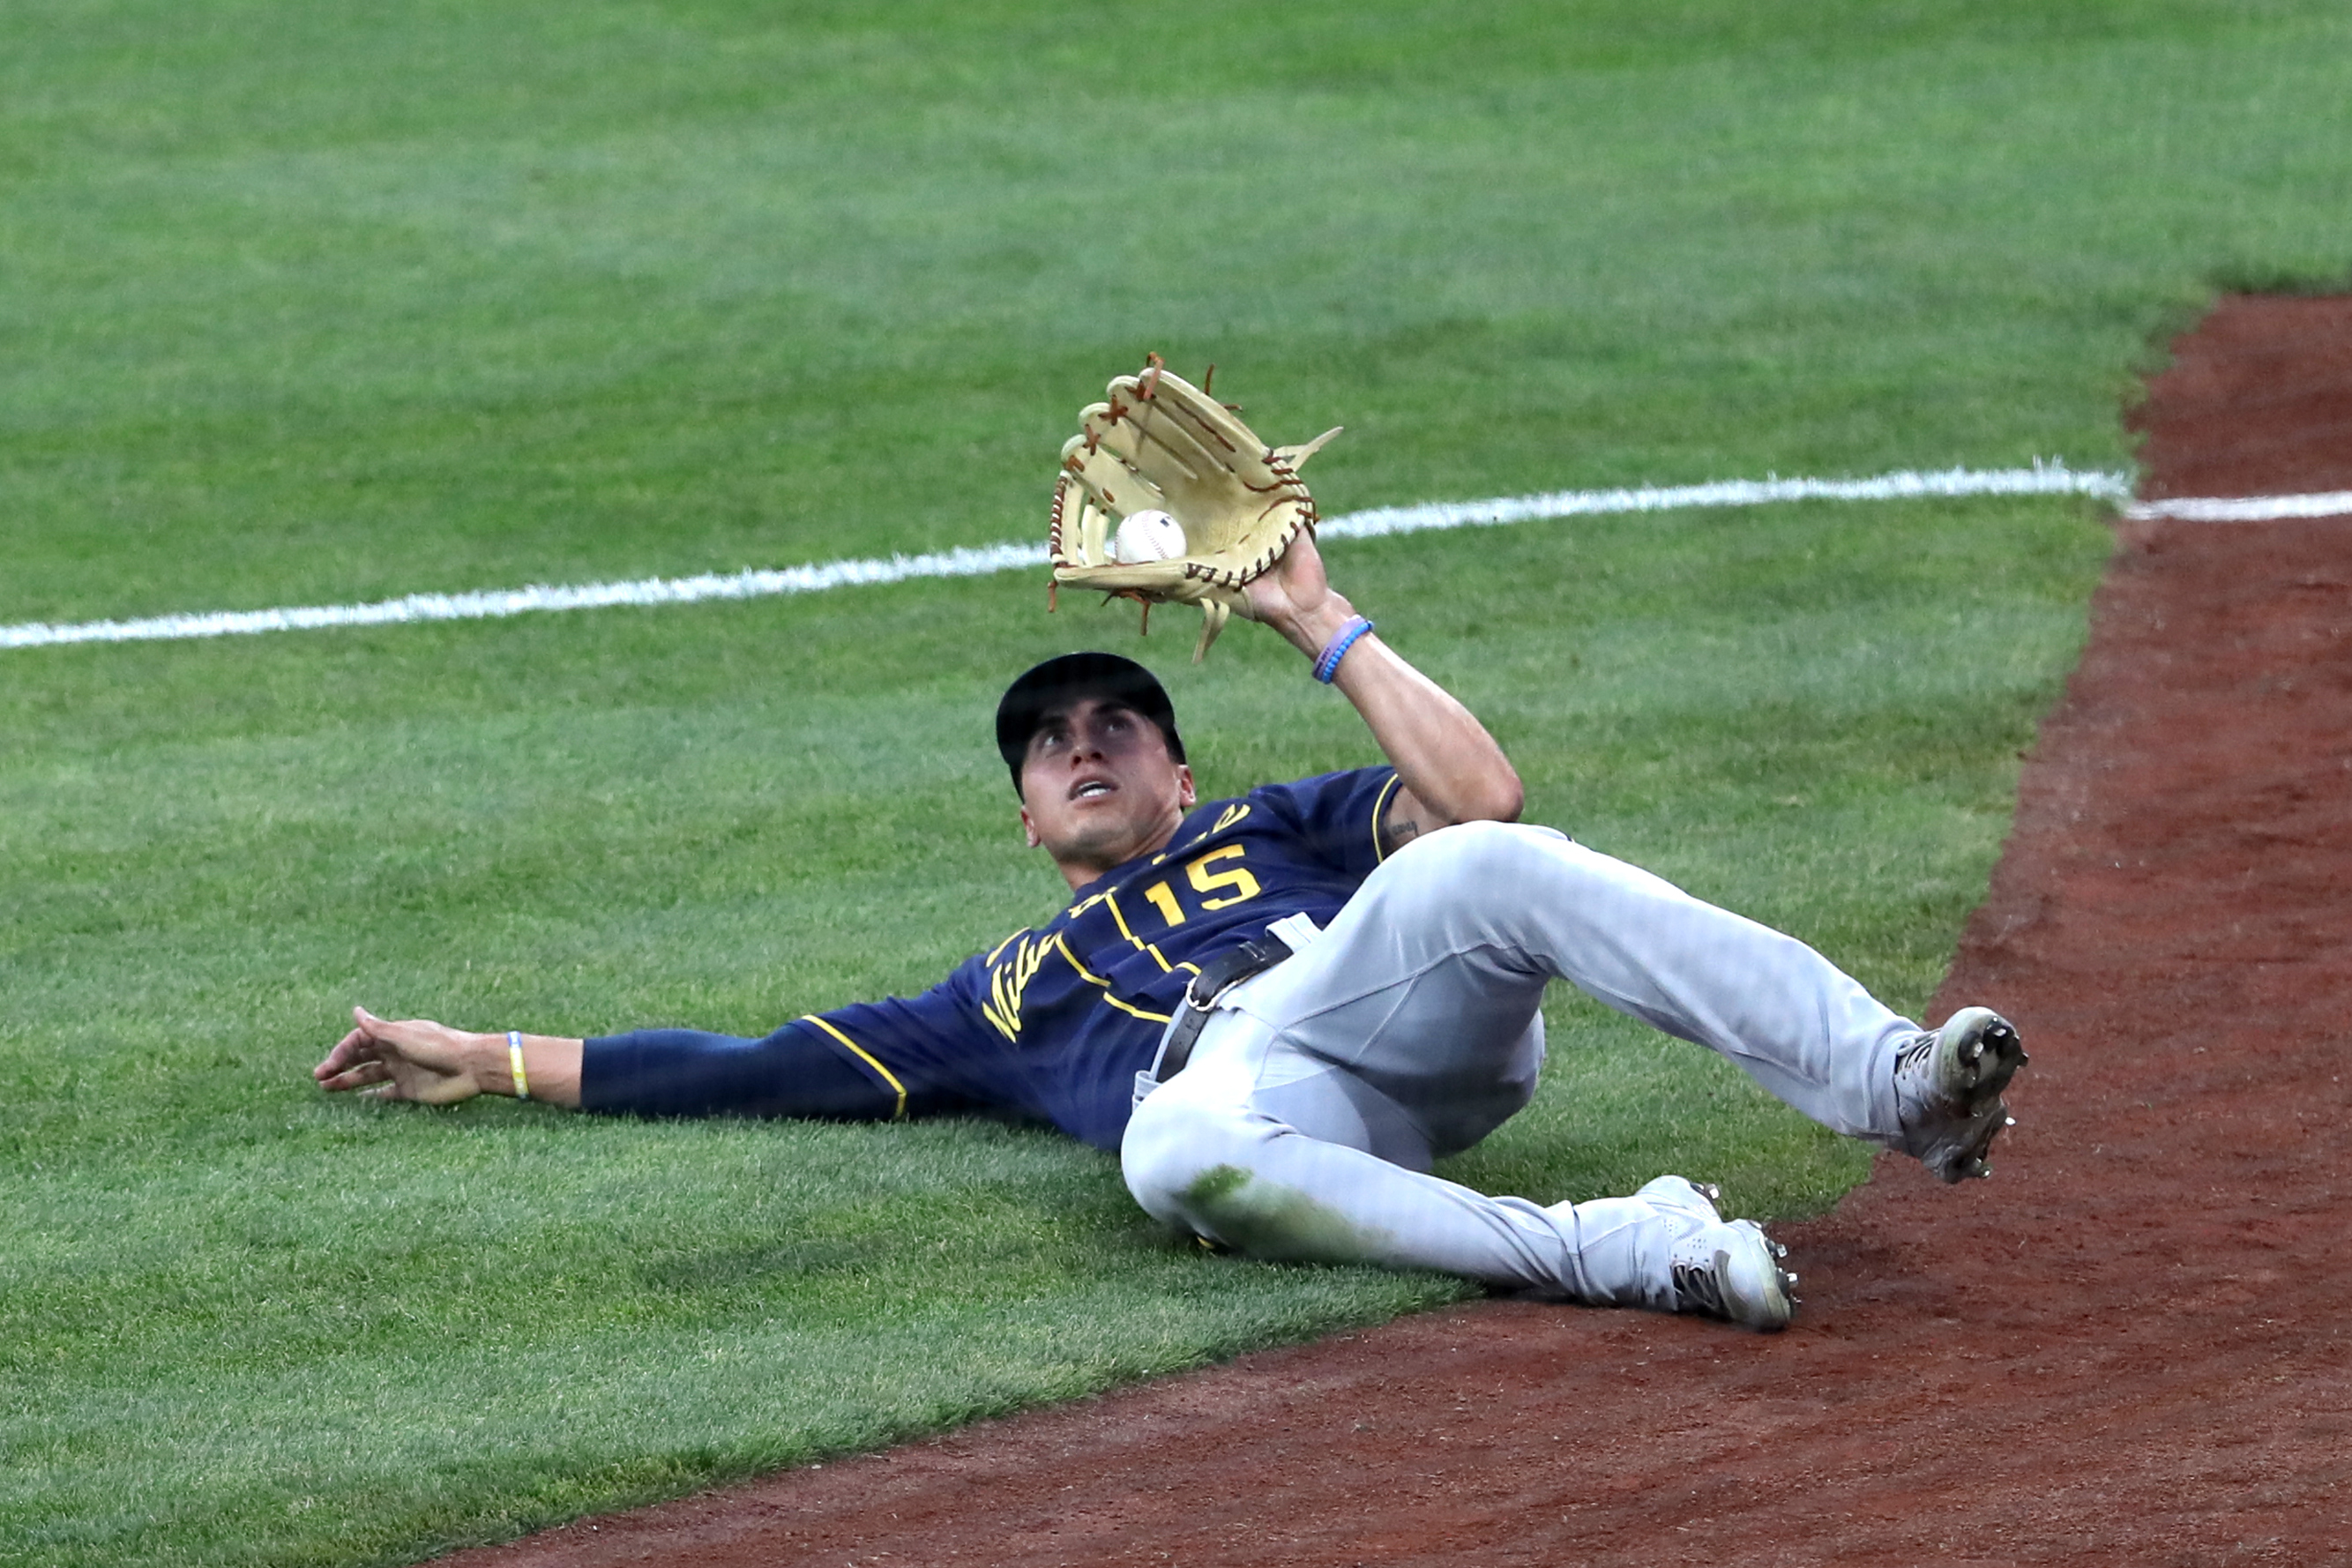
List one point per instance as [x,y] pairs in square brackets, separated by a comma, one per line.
[1280,1009]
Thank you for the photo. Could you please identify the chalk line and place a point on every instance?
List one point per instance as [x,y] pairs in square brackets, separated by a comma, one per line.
[2042,478]
[2242,508]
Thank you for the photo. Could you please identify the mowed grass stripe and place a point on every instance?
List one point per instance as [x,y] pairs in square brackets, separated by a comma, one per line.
[271,344]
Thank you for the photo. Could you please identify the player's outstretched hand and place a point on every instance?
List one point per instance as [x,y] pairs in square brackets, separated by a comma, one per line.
[414,1059]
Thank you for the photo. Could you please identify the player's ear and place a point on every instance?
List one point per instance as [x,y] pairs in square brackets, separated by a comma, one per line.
[1186,794]
[1029,829]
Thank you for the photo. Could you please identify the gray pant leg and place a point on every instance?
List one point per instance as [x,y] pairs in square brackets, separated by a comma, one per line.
[1426,978]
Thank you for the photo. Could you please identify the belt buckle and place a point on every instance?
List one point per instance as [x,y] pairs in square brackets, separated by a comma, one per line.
[1201,998]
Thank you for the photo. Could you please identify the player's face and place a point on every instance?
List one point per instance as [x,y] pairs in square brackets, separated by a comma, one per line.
[1098,787]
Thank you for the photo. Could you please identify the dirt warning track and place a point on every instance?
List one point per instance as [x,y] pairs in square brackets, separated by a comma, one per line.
[2131,1346]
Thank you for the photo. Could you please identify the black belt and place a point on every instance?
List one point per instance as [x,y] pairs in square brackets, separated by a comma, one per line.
[1221,974]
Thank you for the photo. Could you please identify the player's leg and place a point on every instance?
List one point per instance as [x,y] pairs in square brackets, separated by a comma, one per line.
[1278,1153]
[1481,914]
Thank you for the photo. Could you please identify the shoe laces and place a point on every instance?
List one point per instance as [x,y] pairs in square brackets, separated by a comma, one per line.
[1915,1056]
[1698,1289]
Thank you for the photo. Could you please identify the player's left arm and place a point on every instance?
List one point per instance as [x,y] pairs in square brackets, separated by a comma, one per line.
[1449,769]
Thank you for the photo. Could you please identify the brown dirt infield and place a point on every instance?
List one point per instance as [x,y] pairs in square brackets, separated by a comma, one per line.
[2130,1346]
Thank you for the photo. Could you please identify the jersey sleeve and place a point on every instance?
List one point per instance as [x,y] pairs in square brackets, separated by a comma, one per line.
[794,1072]
[1336,816]
[881,1061]
[933,1051]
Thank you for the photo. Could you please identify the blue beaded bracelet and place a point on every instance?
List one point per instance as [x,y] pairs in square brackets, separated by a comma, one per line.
[1327,665]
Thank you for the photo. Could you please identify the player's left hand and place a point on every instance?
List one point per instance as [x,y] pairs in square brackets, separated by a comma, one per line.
[415,1059]
[1295,598]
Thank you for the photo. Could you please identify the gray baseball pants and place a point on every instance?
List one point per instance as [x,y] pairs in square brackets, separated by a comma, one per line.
[1317,1095]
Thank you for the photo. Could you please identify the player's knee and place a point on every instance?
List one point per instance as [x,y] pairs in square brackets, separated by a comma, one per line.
[1212,1171]
[1176,1148]
[1504,845]
[1538,863]
[1461,869]
[1489,848]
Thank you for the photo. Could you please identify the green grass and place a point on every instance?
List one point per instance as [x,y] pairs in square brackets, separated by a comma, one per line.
[297,305]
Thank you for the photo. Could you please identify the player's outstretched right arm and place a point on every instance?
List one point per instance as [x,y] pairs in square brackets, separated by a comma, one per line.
[795,1071]
[433,1064]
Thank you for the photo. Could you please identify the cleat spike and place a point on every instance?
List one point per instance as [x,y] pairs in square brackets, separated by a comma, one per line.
[1948,1084]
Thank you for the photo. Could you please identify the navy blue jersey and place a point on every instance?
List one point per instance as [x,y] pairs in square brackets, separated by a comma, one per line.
[1054,1021]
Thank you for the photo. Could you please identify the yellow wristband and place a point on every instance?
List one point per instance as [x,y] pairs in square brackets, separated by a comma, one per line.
[514,1064]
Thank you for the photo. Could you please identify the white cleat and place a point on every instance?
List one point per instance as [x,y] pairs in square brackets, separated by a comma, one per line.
[1947,1089]
[1727,1271]
[1733,1271]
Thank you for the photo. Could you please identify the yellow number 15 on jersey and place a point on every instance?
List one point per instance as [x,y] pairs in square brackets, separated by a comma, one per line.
[1206,878]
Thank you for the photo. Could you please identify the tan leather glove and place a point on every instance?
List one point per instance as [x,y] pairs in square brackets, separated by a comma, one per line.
[1160,443]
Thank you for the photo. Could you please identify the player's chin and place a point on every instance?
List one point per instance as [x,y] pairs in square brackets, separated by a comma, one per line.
[1080,844]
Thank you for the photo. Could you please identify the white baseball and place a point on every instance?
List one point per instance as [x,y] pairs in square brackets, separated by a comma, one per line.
[1149,535]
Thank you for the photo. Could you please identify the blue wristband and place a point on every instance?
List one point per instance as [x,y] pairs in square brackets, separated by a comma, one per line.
[1328,665]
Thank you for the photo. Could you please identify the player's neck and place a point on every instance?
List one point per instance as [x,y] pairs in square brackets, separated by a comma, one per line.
[1084,867]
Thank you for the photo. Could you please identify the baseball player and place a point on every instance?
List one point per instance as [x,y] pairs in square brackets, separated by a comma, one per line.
[1280,1008]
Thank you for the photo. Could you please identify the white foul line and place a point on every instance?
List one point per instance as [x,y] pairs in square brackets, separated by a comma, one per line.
[2242,509]
[493,603]
[2042,478]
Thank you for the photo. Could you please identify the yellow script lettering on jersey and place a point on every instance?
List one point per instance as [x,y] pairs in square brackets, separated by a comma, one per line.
[1009,977]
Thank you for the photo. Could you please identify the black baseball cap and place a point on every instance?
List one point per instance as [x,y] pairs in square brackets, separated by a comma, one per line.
[1068,679]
